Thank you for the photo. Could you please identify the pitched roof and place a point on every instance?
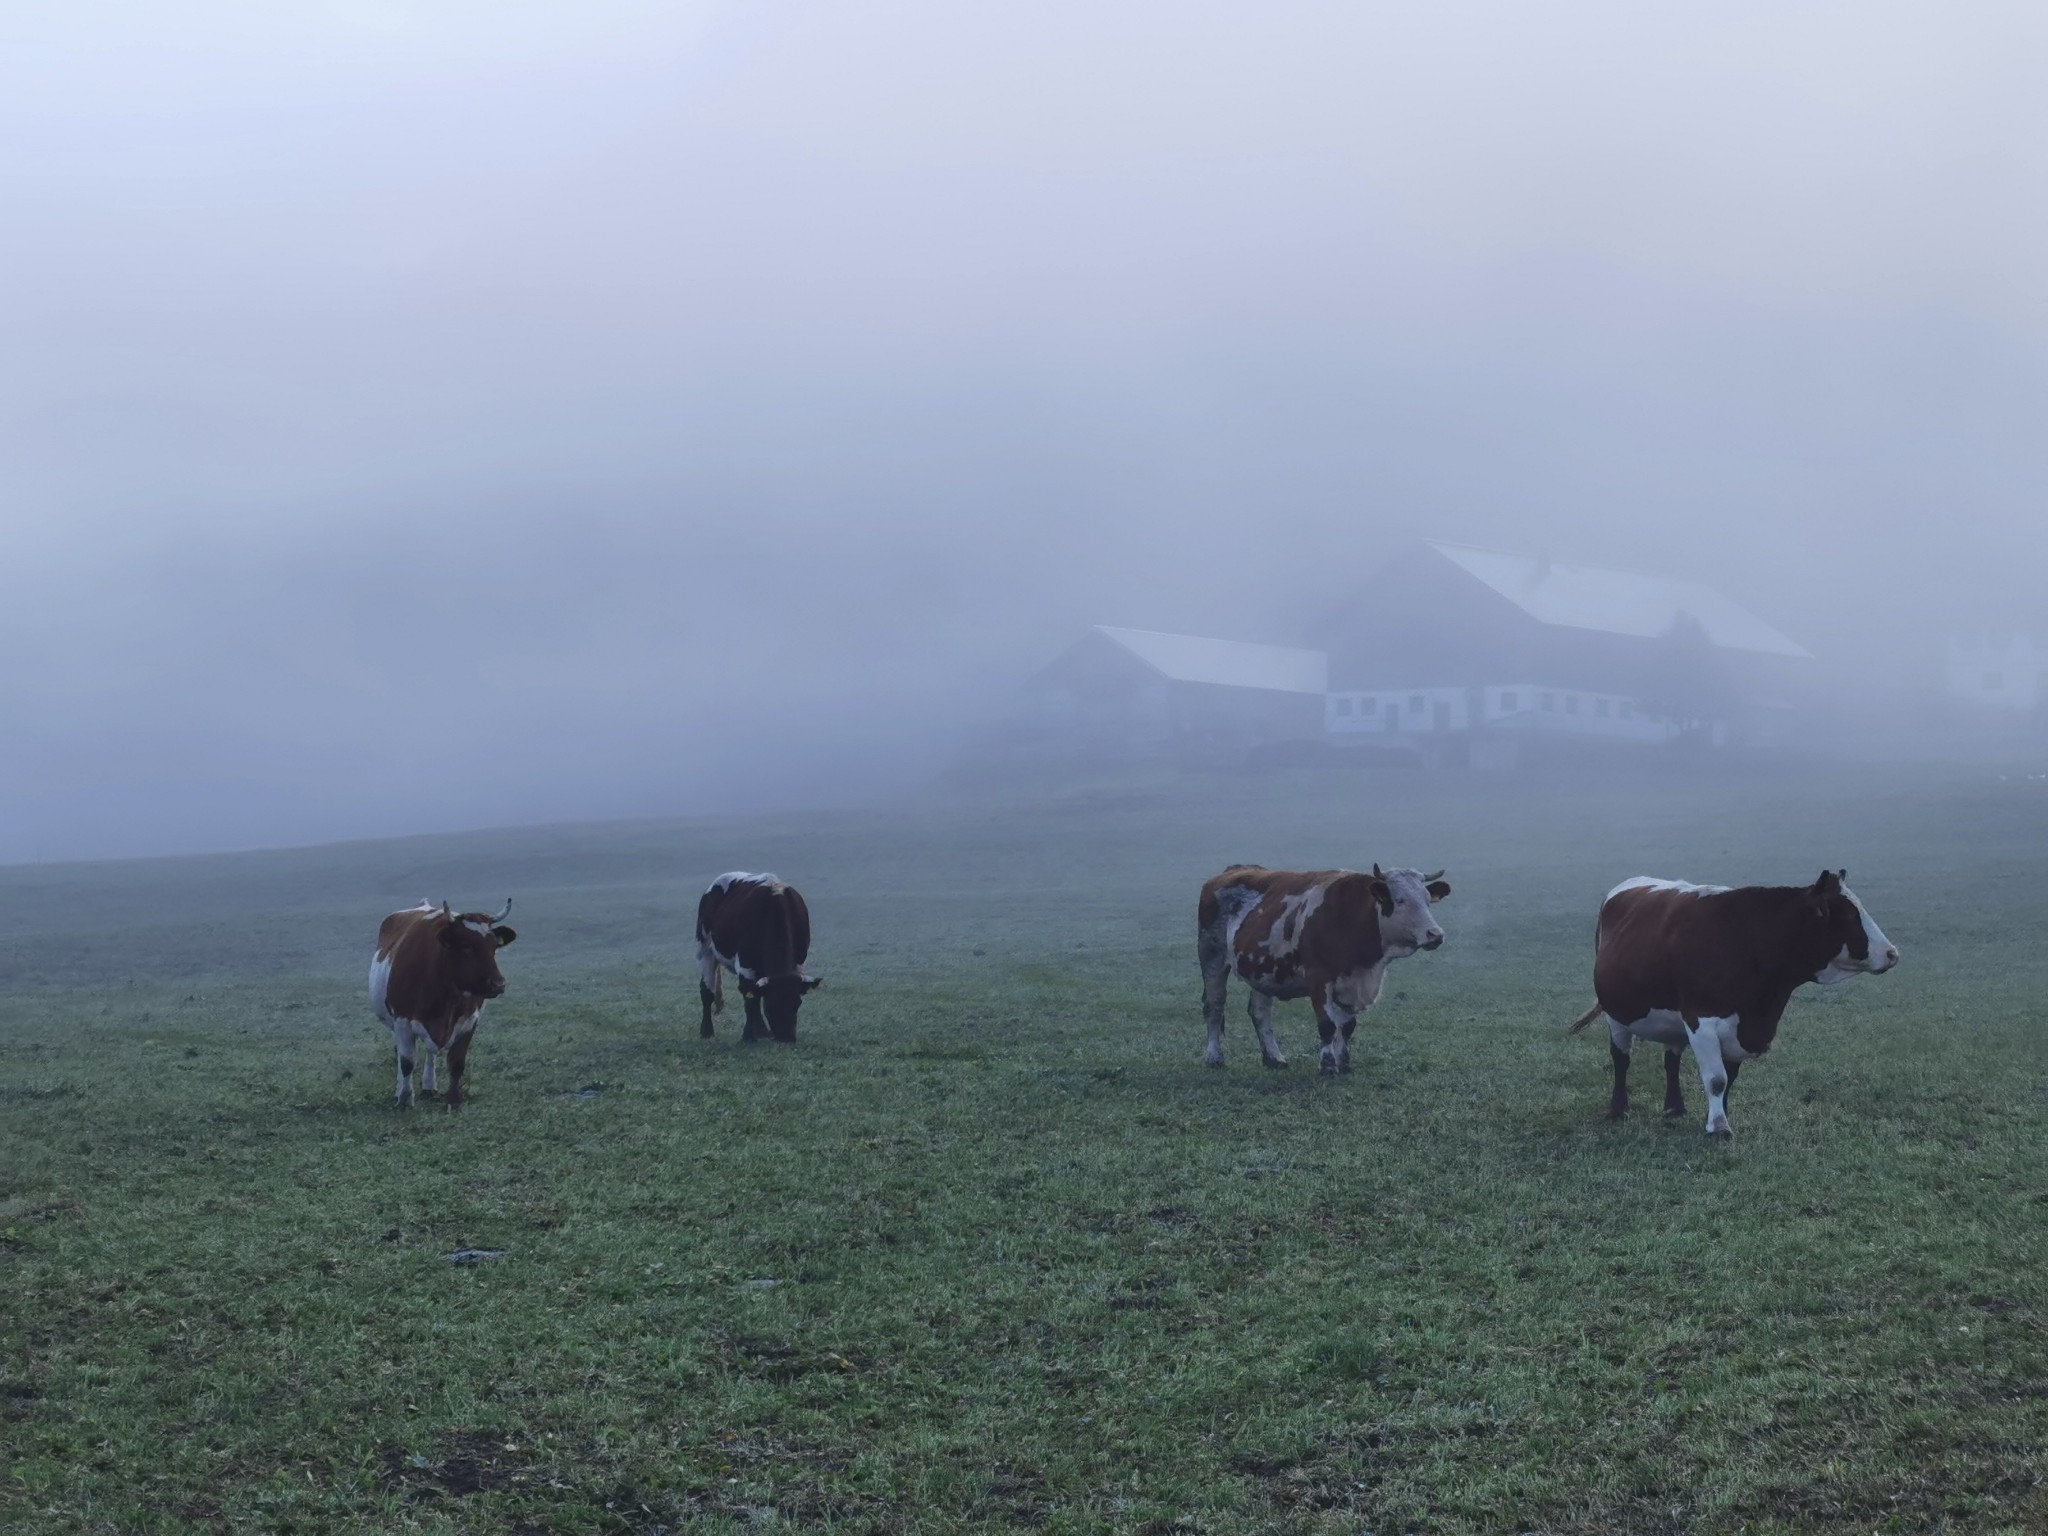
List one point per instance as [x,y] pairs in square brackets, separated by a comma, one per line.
[1617,602]
[1228,663]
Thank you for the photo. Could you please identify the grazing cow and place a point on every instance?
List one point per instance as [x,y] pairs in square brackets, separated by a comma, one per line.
[760,930]
[1326,935]
[1711,967]
[432,974]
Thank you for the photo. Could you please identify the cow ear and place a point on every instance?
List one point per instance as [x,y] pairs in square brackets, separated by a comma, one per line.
[1438,888]
[503,935]
[812,983]
[1829,883]
[1382,894]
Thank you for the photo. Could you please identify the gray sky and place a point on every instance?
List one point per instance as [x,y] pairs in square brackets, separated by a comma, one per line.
[431,415]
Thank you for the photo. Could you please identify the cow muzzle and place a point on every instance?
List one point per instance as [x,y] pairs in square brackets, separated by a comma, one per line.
[1434,940]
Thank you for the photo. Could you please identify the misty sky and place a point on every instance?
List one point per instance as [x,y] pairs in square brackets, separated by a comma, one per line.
[433,415]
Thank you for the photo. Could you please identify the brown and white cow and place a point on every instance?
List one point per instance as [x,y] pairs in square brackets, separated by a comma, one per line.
[1326,935]
[759,929]
[1713,968]
[432,974]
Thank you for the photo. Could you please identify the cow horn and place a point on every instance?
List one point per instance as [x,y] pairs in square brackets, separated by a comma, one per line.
[1432,879]
[445,912]
[1376,871]
[504,914]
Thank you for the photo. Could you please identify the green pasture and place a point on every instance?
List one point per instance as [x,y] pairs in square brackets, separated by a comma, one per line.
[989,1249]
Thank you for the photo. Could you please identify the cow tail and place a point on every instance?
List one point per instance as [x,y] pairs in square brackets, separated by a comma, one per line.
[1586,1018]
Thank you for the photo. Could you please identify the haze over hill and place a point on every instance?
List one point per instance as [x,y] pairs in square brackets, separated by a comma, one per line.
[418,418]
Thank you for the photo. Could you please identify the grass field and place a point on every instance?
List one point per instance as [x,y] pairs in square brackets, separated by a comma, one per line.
[989,1248]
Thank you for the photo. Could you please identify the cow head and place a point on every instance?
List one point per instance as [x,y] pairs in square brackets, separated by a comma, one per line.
[470,943]
[1858,945]
[1404,898]
[781,997]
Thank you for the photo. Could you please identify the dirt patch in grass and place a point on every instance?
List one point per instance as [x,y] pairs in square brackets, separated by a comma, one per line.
[463,1462]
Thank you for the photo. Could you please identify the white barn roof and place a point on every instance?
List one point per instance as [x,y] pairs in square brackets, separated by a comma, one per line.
[1228,663]
[1617,602]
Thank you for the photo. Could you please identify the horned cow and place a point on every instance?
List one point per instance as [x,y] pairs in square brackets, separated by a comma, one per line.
[1326,935]
[433,971]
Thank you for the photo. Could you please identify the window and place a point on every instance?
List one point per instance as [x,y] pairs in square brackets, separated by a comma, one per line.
[1549,703]
[1600,708]
[1414,703]
[1344,705]
[1508,702]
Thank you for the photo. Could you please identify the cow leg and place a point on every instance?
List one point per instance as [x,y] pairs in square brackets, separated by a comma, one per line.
[458,1058]
[1706,1051]
[1674,1101]
[1326,1058]
[756,1025]
[1213,950]
[430,1075]
[1335,1056]
[710,987]
[401,1037]
[1618,1042]
[1260,1007]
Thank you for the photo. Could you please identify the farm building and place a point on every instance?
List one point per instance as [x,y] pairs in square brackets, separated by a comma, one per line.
[1138,689]
[1448,638]
[1448,653]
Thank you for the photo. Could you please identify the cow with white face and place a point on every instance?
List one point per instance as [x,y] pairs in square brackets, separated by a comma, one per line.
[1712,968]
[1326,935]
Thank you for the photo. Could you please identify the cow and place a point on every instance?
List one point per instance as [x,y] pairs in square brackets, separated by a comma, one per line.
[1713,967]
[432,974]
[759,929]
[1327,935]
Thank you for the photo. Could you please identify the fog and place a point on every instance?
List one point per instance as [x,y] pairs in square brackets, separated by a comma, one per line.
[424,416]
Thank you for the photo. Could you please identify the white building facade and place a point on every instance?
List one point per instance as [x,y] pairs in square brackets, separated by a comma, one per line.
[1530,707]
